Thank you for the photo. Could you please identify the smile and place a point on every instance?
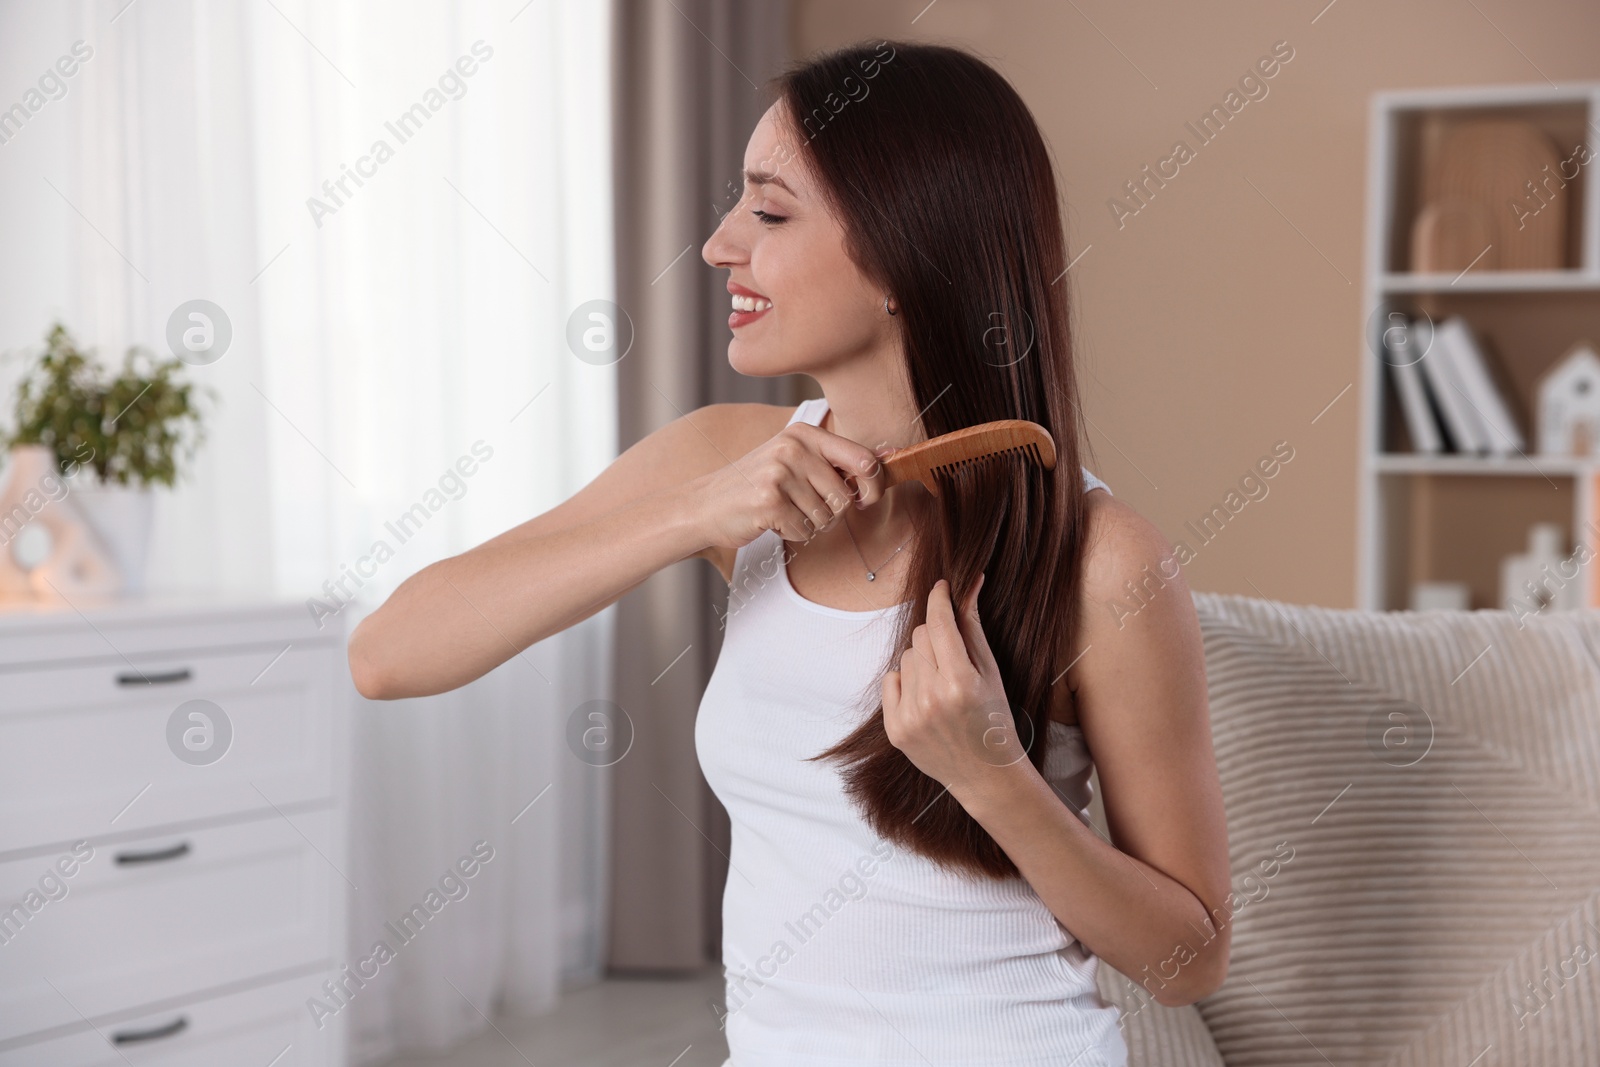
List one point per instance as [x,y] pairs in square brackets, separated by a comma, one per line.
[747,309]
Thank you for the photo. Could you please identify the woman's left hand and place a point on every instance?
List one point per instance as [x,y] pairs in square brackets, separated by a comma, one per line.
[946,706]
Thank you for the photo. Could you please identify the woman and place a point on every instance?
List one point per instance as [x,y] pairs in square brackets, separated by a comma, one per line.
[910,689]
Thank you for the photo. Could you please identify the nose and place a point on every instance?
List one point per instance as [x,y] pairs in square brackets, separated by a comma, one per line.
[722,248]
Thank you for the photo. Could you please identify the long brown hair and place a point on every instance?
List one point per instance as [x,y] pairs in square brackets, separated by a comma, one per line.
[947,196]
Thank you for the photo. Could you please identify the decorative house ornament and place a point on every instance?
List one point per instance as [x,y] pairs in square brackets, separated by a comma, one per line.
[33,497]
[1569,405]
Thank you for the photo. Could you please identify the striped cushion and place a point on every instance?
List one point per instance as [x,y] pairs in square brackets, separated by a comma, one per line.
[1437,776]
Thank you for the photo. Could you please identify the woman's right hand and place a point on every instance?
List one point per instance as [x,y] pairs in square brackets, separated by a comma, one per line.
[794,483]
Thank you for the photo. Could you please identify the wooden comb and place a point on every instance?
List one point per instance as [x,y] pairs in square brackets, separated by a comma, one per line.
[948,455]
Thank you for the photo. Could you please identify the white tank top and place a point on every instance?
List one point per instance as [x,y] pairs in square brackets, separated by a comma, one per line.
[840,949]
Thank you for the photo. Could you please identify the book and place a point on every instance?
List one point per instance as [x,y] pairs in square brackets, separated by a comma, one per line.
[1472,371]
[1466,429]
[1396,341]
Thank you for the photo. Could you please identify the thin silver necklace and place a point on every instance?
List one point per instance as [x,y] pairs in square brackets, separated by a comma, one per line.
[872,572]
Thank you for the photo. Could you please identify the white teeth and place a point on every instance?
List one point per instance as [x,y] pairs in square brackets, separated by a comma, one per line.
[750,303]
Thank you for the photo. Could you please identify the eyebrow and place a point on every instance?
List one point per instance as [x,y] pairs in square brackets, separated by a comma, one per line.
[752,178]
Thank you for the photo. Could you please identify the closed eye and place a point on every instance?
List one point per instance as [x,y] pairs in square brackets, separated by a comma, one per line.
[768,219]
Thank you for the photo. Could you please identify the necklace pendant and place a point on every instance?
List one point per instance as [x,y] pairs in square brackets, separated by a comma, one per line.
[871,576]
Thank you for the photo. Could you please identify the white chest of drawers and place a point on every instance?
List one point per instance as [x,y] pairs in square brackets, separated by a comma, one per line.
[173,833]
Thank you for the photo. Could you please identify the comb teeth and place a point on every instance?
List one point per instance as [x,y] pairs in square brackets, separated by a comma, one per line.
[963,451]
[952,471]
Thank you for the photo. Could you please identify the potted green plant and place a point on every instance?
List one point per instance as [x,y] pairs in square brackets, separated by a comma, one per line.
[116,435]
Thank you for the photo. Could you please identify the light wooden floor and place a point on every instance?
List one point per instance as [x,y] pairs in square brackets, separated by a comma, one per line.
[621,1022]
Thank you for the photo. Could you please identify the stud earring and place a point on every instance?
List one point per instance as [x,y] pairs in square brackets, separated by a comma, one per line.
[886,306]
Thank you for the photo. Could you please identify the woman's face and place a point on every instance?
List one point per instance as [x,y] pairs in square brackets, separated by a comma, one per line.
[781,241]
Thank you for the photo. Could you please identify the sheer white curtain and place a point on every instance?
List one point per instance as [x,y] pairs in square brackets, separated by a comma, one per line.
[398,207]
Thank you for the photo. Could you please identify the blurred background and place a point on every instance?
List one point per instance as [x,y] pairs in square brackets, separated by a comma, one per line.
[398,277]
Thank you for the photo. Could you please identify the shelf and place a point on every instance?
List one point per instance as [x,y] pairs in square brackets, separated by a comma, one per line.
[1515,94]
[1505,281]
[1456,463]
[1455,516]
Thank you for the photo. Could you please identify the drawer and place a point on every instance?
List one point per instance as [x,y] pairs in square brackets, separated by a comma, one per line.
[85,749]
[167,917]
[266,1025]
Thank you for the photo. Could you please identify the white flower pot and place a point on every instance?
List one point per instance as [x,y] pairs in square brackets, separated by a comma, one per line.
[120,517]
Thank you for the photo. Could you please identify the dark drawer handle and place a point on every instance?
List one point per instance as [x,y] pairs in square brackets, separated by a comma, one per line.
[155,1033]
[180,849]
[164,678]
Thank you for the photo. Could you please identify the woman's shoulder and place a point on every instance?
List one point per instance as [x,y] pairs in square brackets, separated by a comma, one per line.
[736,428]
[1120,546]
[712,436]
[1113,531]
[1122,551]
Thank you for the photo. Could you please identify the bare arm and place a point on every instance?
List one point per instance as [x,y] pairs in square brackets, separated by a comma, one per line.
[702,485]
[1156,903]
[459,618]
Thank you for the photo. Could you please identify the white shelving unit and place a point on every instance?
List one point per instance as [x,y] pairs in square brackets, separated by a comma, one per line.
[1452,516]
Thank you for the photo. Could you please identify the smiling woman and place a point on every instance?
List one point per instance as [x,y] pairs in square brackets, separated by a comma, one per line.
[860,713]
[858,706]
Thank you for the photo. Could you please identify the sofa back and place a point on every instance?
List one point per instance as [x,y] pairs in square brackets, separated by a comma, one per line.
[1413,806]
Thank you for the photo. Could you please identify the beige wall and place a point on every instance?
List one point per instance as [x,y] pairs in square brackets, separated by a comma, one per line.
[1209,328]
